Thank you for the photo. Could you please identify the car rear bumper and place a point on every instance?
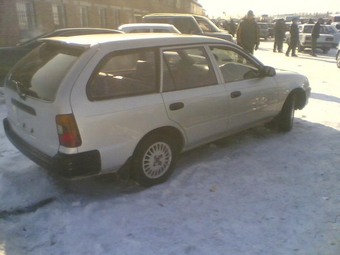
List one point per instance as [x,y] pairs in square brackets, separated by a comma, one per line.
[69,166]
[318,44]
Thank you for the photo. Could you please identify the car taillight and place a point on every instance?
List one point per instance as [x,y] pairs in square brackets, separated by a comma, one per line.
[68,131]
[329,39]
[308,38]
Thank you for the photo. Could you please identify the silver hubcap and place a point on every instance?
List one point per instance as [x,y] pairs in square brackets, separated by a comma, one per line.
[157,160]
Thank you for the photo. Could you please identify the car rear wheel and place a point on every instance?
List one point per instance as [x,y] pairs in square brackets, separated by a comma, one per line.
[338,60]
[300,48]
[325,50]
[286,117]
[153,160]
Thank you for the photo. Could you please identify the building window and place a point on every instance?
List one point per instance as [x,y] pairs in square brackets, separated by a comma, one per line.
[26,15]
[84,16]
[116,18]
[59,16]
[103,17]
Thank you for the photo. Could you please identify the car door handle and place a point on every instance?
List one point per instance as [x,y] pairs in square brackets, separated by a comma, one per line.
[235,94]
[176,106]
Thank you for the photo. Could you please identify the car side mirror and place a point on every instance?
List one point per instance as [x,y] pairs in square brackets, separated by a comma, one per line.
[268,71]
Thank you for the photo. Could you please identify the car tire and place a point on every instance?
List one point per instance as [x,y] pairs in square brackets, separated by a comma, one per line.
[338,60]
[325,50]
[153,160]
[286,116]
[300,47]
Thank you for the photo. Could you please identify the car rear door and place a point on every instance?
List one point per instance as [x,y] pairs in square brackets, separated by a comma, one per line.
[192,96]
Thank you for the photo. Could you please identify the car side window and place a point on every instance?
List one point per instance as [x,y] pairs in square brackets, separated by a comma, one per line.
[140,30]
[233,65]
[204,25]
[187,68]
[161,30]
[123,74]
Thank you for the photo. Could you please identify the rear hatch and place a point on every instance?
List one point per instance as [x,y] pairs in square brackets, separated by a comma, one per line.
[30,94]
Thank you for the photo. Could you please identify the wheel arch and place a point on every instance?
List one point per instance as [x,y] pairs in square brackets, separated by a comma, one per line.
[169,131]
[300,98]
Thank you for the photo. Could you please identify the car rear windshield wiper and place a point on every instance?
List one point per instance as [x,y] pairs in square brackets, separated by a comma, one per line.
[18,86]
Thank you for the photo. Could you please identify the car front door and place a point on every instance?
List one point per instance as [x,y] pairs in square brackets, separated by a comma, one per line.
[192,96]
[253,97]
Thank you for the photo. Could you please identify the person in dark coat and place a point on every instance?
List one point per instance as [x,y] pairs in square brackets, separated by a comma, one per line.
[279,34]
[248,36]
[294,38]
[316,35]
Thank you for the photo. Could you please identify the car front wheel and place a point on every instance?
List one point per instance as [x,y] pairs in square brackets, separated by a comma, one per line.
[153,160]
[286,117]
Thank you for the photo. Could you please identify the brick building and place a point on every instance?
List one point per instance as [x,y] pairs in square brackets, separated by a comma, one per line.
[24,19]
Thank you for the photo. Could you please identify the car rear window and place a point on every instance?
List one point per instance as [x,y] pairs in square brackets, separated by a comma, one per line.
[40,73]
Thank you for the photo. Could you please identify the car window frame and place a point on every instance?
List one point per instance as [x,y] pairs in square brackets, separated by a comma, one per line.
[112,54]
[259,65]
[183,47]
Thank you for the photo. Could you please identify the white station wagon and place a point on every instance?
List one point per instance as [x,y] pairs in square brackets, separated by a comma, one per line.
[127,103]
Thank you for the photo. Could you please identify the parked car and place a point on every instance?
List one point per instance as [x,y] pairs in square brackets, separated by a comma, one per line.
[335,19]
[271,29]
[189,24]
[148,28]
[324,42]
[263,29]
[338,59]
[336,33]
[90,105]
[10,55]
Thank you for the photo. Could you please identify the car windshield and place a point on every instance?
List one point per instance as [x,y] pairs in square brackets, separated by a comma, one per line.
[39,74]
[207,25]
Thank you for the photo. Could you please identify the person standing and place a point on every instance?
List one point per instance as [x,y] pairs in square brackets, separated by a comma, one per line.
[248,33]
[316,35]
[294,38]
[279,34]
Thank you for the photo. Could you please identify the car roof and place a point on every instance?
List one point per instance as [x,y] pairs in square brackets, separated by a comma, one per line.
[166,14]
[140,40]
[71,32]
[149,25]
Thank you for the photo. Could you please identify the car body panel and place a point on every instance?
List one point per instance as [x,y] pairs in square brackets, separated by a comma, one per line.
[336,33]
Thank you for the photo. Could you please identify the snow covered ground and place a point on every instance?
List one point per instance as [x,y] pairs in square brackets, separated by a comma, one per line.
[257,192]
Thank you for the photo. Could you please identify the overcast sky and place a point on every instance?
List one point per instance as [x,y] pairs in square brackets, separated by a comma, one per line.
[240,7]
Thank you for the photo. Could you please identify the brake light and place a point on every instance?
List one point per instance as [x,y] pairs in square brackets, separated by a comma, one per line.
[308,38]
[68,131]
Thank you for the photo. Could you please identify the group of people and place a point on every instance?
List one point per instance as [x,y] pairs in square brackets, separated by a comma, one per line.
[248,36]
[294,36]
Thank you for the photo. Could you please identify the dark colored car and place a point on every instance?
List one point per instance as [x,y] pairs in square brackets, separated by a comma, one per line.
[189,24]
[9,56]
[271,29]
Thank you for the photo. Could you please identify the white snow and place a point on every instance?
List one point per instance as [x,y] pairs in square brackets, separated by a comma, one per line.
[257,192]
